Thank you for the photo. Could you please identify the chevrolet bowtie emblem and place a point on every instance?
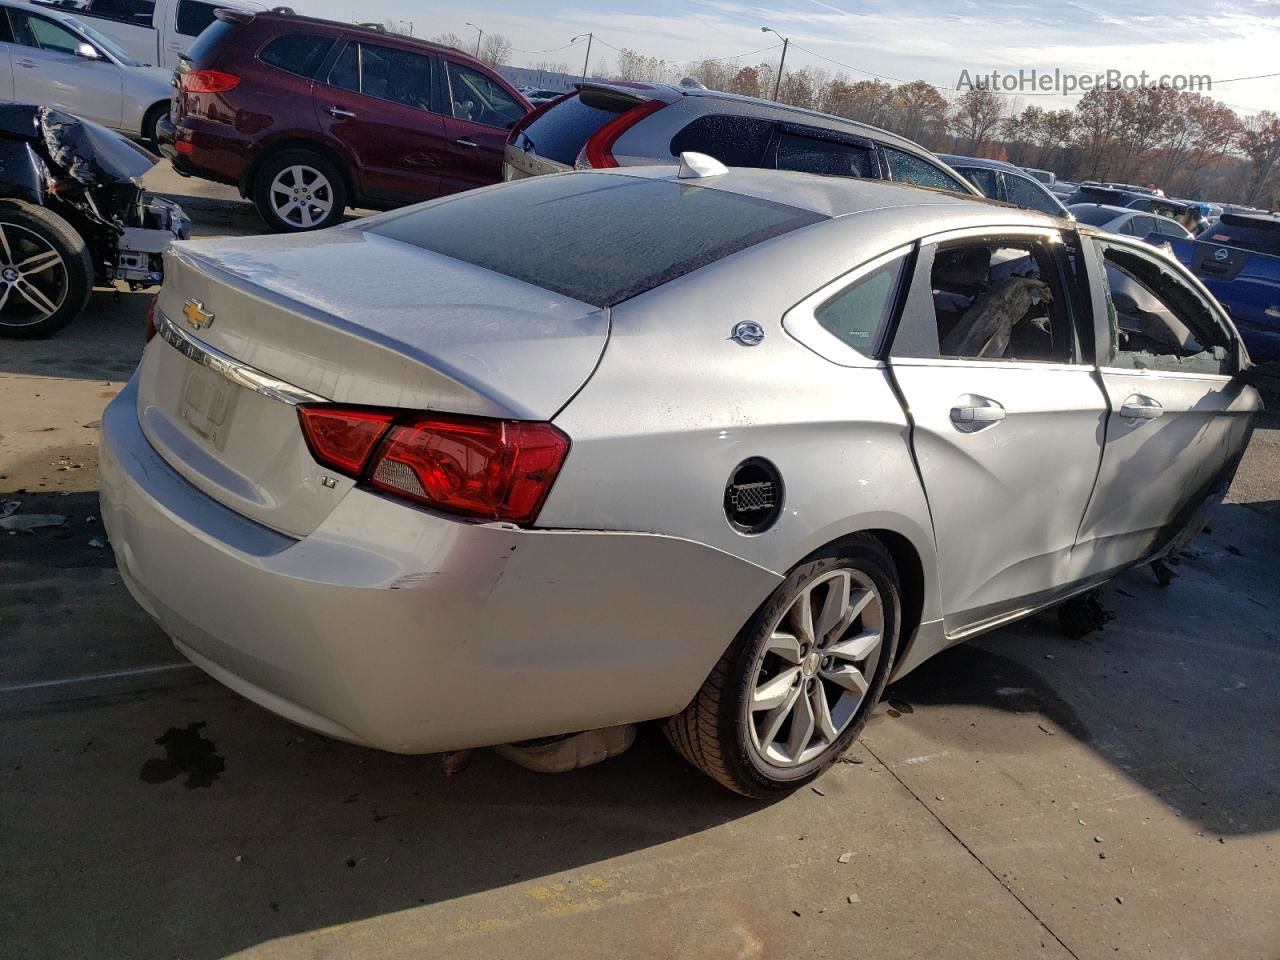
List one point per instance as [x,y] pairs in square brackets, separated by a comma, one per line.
[196,315]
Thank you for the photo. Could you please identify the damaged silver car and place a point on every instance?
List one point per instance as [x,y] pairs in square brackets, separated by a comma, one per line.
[73,214]
[725,449]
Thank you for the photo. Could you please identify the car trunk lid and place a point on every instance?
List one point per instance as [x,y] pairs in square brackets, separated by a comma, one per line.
[348,317]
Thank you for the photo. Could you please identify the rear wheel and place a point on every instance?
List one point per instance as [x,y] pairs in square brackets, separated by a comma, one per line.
[299,190]
[797,684]
[46,273]
[151,120]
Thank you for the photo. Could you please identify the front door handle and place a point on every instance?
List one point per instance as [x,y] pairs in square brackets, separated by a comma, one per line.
[1138,407]
[464,142]
[972,413]
[339,112]
[25,63]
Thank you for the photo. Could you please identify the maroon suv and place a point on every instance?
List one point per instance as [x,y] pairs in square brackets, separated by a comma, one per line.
[307,116]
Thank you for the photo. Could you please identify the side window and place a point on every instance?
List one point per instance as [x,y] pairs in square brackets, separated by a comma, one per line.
[858,315]
[6,30]
[909,168]
[300,53]
[1157,320]
[811,155]
[34,31]
[984,180]
[1027,194]
[385,73]
[734,141]
[193,16]
[1000,300]
[130,11]
[476,97]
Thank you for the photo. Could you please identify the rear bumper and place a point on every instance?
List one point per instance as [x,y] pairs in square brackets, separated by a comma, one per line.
[407,631]
[201,148]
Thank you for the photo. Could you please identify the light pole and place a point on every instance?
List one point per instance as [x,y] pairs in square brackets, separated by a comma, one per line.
[786,42]
[479,35]
[586,60]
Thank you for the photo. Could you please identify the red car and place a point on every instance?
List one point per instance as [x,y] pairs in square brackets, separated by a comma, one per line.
[309,116]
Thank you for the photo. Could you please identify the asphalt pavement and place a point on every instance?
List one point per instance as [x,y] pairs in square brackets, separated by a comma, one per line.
[1022,795]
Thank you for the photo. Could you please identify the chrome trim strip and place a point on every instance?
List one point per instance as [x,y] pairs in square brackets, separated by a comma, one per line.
[238,373]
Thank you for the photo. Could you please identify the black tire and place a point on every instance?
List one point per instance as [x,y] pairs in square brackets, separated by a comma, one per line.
[308,160]
[150,121]
[713,732]
[18,222]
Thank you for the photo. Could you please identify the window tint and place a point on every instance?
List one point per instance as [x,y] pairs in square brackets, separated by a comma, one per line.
[1091,215]
[209,40]
[983,179]
[811,155]
[480,99]
[734,141]
[859,314]
[1027,194]
[300,53]
[38,32]
[130,11]
[909,168]
[1257,234]
[384,72]
[599,239]
[562,131]
[998,300]
[6,31]
[193,16]
[1157,320]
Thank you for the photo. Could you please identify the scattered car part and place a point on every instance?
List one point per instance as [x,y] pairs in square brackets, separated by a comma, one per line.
[570,751]
[72,214]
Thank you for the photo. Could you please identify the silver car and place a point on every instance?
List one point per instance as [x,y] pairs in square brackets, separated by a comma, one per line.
[54,59]
[728,449]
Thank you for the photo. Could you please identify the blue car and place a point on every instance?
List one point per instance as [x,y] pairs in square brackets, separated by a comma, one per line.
[1238,259]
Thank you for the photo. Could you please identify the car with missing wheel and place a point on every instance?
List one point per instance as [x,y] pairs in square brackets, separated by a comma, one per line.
[750,445]
[307,117]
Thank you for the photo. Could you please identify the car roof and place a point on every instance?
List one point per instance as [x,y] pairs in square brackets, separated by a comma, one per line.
[1111,208]
[371,32]
[836,196]
[671,93]
[955,160]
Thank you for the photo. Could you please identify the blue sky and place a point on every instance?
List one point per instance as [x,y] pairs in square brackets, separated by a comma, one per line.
[906,39]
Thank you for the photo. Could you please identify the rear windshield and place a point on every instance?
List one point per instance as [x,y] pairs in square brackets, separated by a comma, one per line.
[1092,216]
[598,238]
[561,132]
[207,43]
[1260,237]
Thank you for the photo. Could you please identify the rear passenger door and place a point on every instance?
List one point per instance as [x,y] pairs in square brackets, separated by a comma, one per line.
[1006,416]
[1177,416]
[376,103]
[478,115]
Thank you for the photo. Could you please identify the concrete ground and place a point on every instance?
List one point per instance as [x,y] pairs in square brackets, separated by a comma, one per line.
[1023,795]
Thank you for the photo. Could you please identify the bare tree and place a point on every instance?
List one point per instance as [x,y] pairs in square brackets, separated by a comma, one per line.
[495,50]
[975,116]
[449,40]
[1260,143]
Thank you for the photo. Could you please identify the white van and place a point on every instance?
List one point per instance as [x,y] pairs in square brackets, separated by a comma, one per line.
[155,32]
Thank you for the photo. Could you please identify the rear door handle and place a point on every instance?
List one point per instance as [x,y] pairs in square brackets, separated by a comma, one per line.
[464,142]
[976,413]
[339,112]
[1138,407]
[25,63]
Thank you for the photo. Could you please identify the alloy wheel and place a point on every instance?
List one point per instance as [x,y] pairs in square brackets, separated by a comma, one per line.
[33,277]
[301,196]
[815,668]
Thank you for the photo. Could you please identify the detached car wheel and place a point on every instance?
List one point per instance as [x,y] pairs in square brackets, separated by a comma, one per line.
[797,684]
[46,273]
[299,190]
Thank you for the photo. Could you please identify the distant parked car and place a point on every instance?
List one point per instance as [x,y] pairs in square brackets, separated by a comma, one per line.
[49,57]
[307,116]
[537,97]
[1047,177]
[624,124]
[154,32]
[1003,181]
[1133,223]
[1238,259]
[449,505]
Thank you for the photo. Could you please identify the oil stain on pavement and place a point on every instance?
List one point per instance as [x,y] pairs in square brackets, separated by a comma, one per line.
[185,752]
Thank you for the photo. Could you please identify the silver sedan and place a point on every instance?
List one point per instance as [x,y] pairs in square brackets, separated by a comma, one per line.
[726,449]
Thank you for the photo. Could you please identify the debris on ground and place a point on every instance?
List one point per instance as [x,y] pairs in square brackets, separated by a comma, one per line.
[1097,839]
[1050,733]
[844,858]
[1080,616]
[9,507]
[1234,550]
[817,791]
[454,761]
[853,898]
[26,522]
[92,424]
[96,544]
[851,760]
[1164,574]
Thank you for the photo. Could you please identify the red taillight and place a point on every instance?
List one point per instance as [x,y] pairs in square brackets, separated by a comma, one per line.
[151,319]
[184,147]
[342,438]
[473,466]
[598,151]
[209,81]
